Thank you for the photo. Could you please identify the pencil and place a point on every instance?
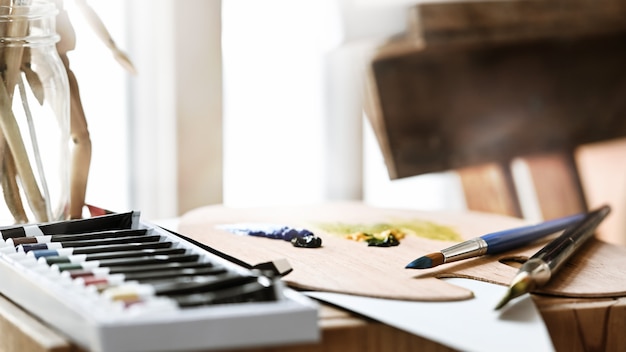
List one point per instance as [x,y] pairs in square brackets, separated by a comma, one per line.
[495,242]
[540,268]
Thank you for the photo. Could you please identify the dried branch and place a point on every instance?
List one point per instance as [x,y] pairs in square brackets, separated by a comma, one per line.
[32,132]
[81,153]
[81,156]
[13,54]
[32,78]
[18,150]
[9,185]
[98,27]
[12,63]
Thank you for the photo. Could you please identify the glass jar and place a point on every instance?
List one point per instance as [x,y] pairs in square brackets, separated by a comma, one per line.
[34,115]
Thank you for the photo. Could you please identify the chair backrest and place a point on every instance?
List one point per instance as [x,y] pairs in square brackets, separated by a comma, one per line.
[475,86]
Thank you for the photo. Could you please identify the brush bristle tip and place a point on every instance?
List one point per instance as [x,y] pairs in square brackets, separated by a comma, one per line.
[426,262]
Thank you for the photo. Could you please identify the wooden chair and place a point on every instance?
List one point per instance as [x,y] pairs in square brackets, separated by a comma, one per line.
[474,86]
[477,86]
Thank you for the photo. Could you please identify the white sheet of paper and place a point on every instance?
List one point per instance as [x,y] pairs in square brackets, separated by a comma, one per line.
[470,325]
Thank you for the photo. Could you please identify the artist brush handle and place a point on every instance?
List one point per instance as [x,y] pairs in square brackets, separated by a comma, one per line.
[503,241]
[561,248]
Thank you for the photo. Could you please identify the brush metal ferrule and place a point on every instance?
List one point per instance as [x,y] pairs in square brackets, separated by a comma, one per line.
[538,270]
[468,249]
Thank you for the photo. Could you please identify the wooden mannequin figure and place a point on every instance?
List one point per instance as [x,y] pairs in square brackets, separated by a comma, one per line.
[81,153]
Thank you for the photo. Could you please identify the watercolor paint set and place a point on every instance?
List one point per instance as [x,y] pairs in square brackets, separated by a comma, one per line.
[116,283]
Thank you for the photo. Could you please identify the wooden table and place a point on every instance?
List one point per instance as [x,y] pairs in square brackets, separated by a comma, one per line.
[573,324]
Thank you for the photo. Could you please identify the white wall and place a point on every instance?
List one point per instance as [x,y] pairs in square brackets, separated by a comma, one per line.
[293,73]
[152,112]
[275,129]
[176,115]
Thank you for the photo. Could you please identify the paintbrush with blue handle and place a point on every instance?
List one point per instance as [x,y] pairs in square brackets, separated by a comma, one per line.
[495,242]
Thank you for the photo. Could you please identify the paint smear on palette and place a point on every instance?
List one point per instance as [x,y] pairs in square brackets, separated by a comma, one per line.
[298,237]
[382,231]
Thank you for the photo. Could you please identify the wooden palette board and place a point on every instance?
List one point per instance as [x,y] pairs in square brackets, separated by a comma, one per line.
[351,267]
